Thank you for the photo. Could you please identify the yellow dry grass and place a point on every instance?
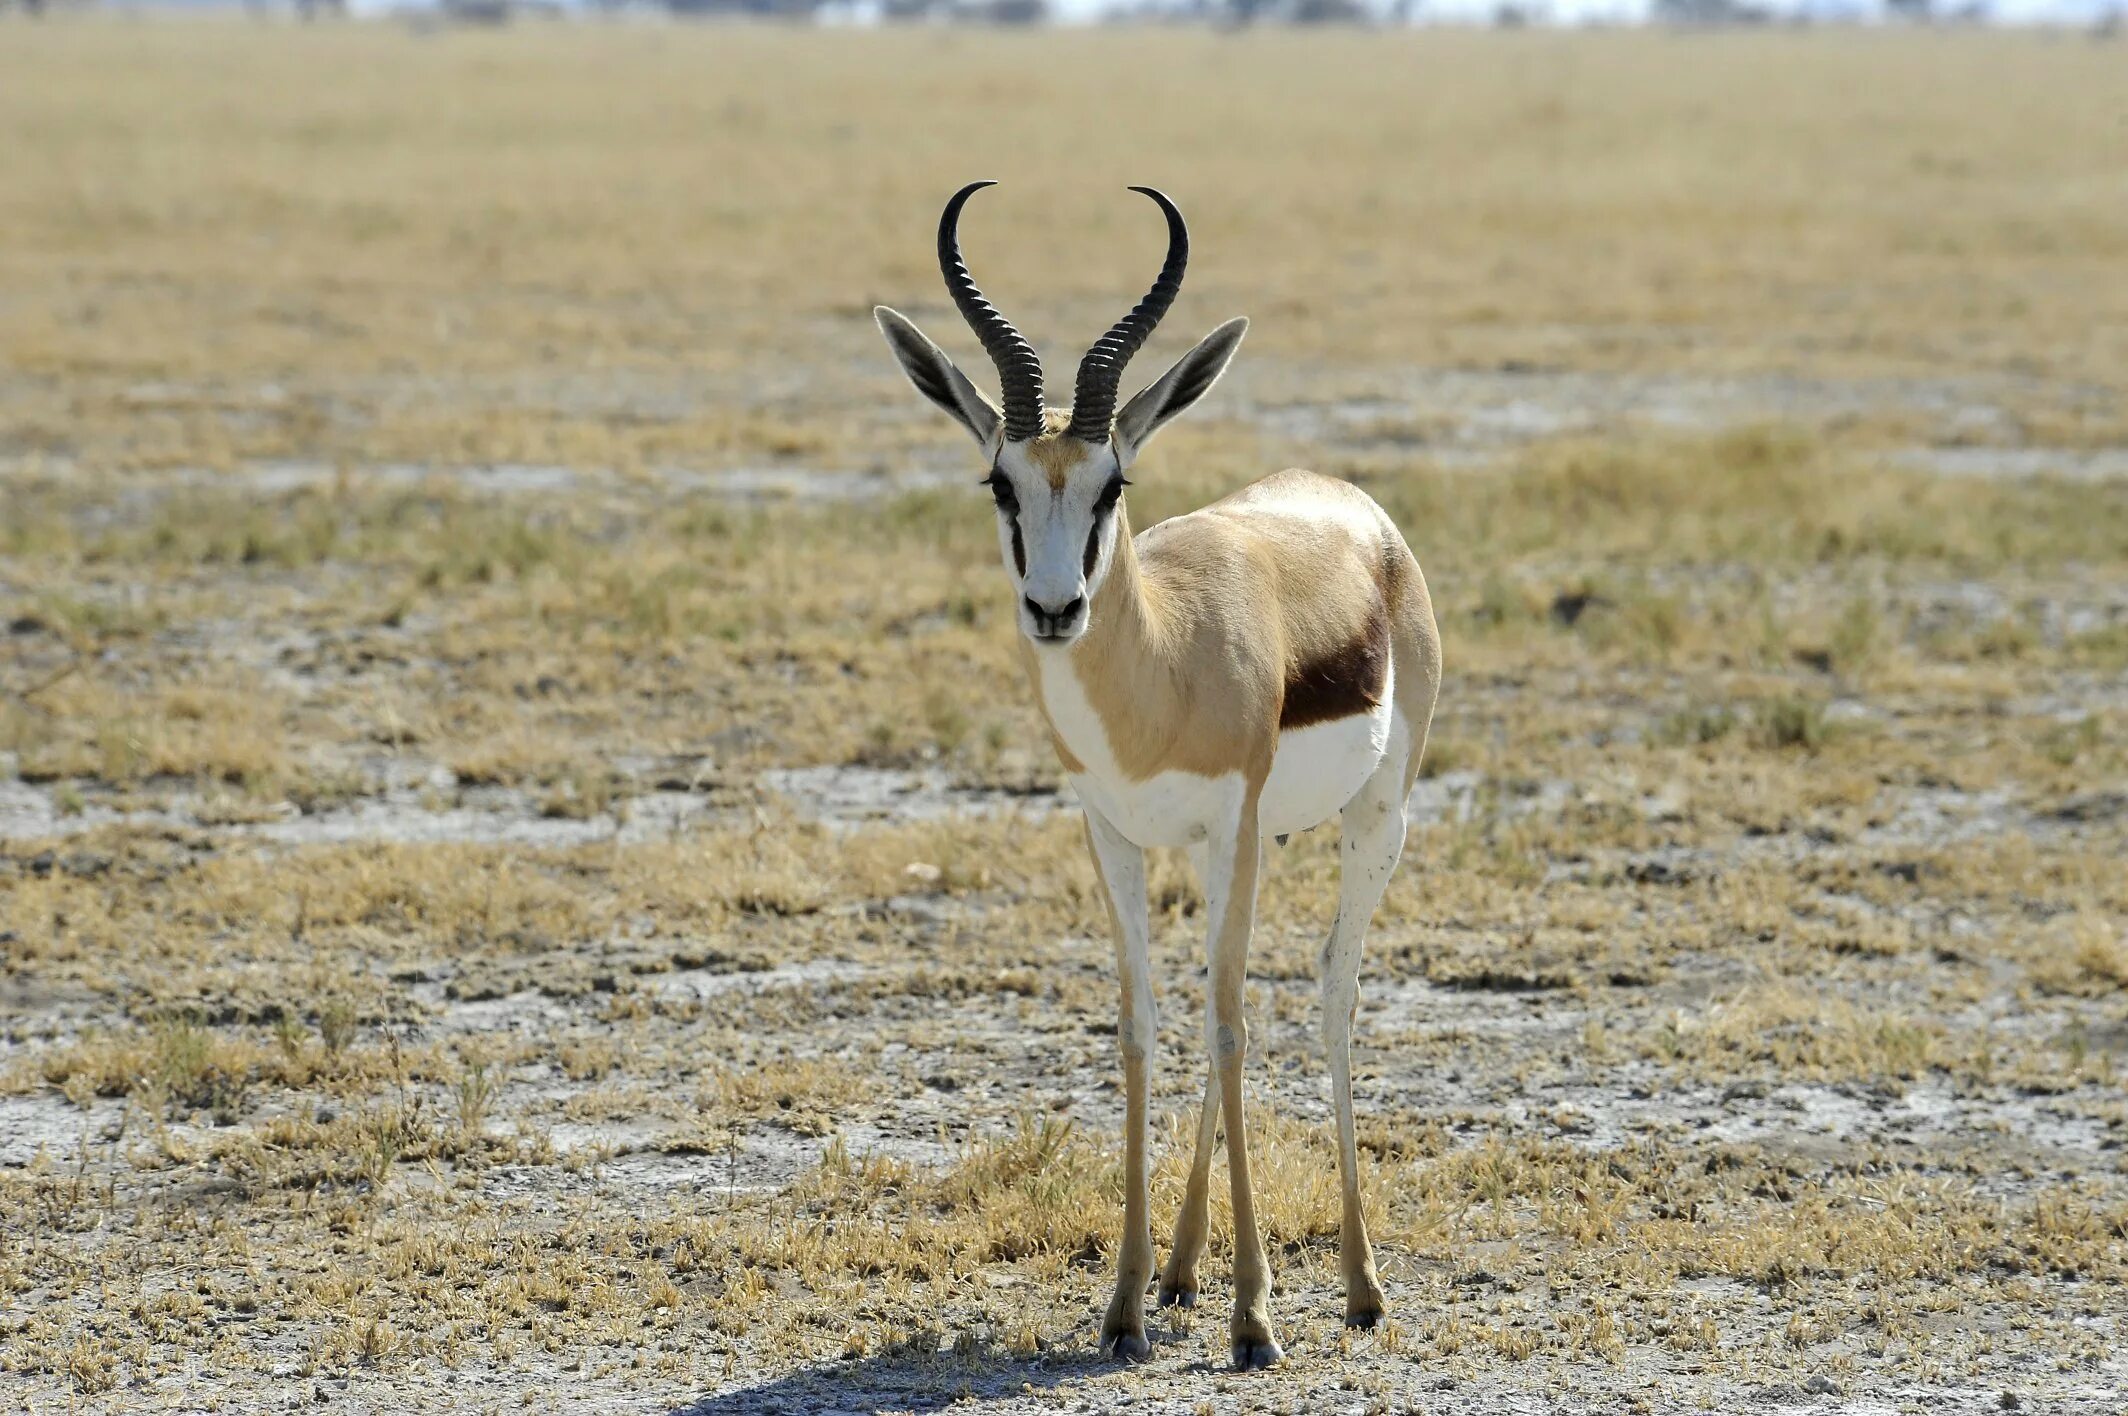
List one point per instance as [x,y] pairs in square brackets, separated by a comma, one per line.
[227,242]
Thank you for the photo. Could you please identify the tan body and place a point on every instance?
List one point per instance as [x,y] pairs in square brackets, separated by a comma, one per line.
[1205,622]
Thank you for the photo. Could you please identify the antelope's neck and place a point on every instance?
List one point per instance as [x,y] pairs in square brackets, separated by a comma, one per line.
[1116,666]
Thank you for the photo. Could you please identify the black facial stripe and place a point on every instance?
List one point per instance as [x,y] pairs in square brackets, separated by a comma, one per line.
[1008,505]
[1106,503]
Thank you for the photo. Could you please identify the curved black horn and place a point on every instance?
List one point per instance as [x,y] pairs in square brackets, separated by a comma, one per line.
[1093,403]
[1019,367]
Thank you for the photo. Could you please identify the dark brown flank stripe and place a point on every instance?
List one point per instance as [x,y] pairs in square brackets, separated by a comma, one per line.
[1342,683]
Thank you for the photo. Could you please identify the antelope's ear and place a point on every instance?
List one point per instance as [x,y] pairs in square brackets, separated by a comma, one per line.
[936,376]
[1191,378]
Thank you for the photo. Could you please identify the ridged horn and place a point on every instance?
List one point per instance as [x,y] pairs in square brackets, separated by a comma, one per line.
[1019,367]
[1093,403]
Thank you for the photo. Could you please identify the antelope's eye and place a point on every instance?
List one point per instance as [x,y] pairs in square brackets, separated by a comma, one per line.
[1008,501]
[1110,494]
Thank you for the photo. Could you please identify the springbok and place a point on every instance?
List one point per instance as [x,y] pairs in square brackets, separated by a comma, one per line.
[1247,670]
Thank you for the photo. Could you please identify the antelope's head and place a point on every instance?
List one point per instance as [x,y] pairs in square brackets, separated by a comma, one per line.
[1057,478]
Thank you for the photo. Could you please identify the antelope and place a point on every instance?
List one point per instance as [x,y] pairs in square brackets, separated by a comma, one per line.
[1247,670]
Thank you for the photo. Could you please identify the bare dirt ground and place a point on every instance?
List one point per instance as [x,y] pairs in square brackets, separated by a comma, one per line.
[529,878]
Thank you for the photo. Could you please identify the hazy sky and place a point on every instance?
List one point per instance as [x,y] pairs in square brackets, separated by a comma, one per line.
[1633,11]
[1561,11]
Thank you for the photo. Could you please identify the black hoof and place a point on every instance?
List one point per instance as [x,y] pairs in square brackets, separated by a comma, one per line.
[1126,1347]
[1364,1318]
[1255,1356]
[1177,1297]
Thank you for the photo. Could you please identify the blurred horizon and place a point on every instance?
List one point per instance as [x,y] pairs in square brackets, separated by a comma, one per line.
[2102,16]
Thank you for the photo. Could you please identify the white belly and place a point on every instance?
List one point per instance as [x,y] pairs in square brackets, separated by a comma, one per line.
[1315,771]
[1168,809]
[1318,769]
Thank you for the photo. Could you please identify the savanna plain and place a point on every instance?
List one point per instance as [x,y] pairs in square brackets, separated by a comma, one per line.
[530,877]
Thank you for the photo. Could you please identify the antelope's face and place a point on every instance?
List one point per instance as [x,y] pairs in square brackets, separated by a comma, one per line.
[1058,482]
[1056,507]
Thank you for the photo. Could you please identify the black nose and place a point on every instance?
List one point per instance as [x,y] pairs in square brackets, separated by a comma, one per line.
[1054,619]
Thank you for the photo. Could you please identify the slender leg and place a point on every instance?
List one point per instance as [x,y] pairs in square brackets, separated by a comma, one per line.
[1373,839]
[1178,1281]
[1230,897]
[1121,866]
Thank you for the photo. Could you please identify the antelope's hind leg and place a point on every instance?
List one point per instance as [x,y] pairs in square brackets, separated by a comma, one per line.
[1121,867]
[1373,839]
[1178,1280]
[1235,856]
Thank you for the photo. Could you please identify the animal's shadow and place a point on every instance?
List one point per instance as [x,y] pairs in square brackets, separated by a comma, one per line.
[900,1381]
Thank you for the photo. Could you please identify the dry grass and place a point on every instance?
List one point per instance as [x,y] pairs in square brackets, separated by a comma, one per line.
[423,969]
[410,261]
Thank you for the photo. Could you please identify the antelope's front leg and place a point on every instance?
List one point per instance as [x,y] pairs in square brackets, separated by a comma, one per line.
[1230,897]
[1122,869]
